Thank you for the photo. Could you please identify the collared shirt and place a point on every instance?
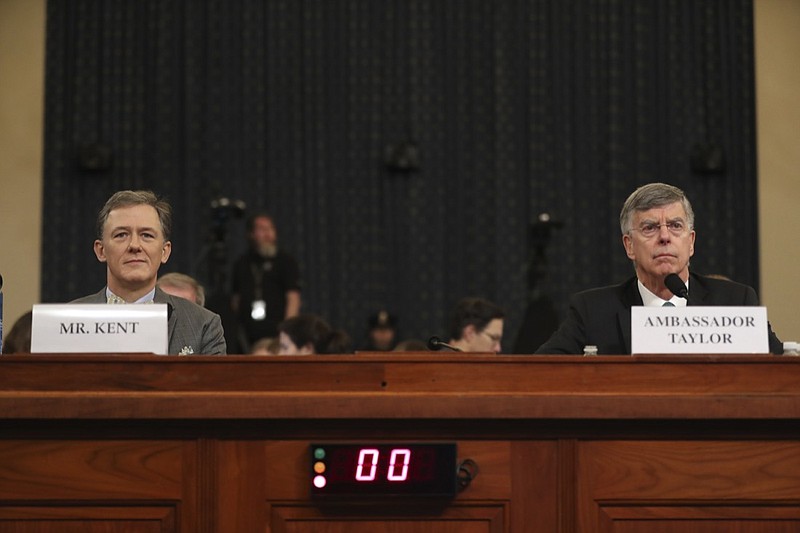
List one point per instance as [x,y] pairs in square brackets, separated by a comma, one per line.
[146,299]
[651,300]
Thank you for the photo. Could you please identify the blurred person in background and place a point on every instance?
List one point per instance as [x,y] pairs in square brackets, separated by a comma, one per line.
[265,283]
[183,286]
[310,334]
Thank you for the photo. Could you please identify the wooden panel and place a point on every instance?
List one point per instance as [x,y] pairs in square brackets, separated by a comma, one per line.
[202,445]
[673,470]
[399,387]
[456,518]
[201,373]
[87,519]
[97,470]
[241,494]
[536,495]
[207,486]
[639,486]
[702,519]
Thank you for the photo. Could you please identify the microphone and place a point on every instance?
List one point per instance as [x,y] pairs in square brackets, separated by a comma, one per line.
[435,344]
[675,284]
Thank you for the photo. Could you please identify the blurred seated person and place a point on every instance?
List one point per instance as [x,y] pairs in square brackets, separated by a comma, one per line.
[182,286]
[266,346]
[310,334]
[477,326]
[18,339]
[658,235]
[382,334]
[411,345]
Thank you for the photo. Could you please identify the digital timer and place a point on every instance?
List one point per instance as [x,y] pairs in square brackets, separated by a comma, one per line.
[411,469]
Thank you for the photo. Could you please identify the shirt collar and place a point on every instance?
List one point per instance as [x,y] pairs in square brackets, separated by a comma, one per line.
[146,299]
[651,300]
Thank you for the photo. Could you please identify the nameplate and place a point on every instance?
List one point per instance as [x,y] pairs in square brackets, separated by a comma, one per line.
[99,328]
[697,329]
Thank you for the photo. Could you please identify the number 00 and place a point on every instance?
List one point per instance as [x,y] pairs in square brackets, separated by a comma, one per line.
[368,464]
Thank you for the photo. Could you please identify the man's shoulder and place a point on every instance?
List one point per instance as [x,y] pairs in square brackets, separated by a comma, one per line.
[607,291]
[95,298]
[715,282]
[715,286]
[184,307]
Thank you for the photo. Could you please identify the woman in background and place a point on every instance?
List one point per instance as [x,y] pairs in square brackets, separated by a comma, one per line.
[310,334]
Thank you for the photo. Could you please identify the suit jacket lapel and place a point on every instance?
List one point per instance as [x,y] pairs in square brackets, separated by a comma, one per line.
[697,291]
[630,297]
[100,297]
[161,297]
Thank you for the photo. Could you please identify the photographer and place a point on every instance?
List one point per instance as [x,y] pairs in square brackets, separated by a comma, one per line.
[266,283]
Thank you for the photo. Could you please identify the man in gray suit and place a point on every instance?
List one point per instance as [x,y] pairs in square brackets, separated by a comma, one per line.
[133,230]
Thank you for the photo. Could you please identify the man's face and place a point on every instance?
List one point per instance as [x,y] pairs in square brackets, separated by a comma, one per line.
[665,252]
[489,339]
[263,236]
[133,247]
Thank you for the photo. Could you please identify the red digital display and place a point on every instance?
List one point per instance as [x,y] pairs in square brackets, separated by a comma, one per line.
[419,469]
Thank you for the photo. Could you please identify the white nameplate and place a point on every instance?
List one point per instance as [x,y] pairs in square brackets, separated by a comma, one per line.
[99,328]
[698,329]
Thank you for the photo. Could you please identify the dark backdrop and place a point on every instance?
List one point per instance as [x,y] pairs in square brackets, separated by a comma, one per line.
[517,107]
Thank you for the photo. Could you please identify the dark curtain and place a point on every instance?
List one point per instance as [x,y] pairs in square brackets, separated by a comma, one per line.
[515,108]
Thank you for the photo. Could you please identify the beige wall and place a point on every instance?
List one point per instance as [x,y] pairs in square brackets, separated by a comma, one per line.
[778,90]
[21,129]
[777,25]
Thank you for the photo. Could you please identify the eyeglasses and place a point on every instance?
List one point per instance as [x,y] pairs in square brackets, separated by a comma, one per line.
[495,338]
[649,229]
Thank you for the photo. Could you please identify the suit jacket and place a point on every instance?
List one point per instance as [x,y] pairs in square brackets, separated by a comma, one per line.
[192,329]
[602,316]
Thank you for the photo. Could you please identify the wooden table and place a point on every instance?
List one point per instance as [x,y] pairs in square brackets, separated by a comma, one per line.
[139,443]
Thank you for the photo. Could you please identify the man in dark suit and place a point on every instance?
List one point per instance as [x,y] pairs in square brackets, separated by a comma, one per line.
[657,223]
[133,230]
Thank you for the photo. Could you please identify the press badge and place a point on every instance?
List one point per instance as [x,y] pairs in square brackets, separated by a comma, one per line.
[258,310]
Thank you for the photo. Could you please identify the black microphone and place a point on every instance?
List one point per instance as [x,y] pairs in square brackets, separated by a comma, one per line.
[675,284]
[435,344]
